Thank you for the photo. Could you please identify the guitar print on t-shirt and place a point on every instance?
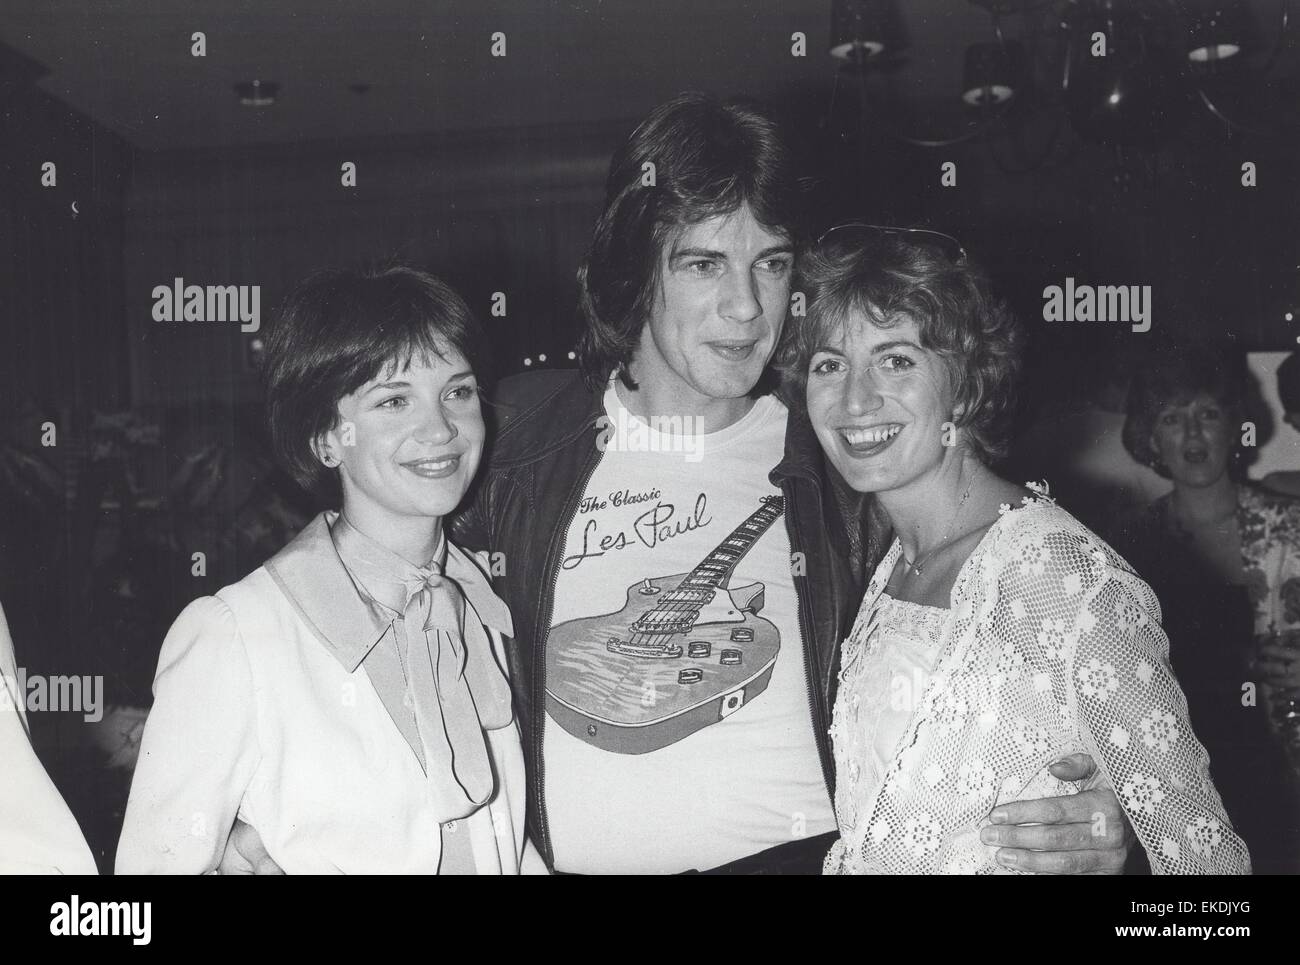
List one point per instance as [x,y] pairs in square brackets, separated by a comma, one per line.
[693,729]
[686,650]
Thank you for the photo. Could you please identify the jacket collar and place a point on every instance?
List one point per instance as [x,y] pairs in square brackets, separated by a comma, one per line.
[803,453]
[529,430]
[313,578]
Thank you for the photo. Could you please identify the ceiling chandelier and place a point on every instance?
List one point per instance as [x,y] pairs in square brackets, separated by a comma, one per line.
[1129,73]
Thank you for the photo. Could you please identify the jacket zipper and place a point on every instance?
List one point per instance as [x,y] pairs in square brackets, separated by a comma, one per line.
[539,652]
[820,738]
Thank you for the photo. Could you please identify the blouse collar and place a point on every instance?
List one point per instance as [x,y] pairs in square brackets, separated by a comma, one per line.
[311,572]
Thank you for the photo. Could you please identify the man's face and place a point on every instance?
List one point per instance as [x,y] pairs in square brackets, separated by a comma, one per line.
[718,312]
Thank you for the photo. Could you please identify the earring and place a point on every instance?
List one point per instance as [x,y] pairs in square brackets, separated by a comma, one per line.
[329,460]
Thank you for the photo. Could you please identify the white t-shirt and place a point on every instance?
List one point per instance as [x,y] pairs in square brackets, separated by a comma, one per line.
[678,732]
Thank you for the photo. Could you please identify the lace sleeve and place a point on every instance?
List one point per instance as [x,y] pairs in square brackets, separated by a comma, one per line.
[1114,672]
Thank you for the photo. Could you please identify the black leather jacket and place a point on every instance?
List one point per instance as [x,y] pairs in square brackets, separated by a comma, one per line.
[543,451]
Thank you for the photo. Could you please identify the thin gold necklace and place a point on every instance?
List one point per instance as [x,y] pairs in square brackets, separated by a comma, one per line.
[914,568]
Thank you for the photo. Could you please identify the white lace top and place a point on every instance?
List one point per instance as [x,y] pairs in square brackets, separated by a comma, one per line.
[887,681]
[1053,646]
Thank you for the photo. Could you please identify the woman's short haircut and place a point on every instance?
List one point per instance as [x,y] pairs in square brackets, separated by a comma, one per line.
[888,277]
[338,330]
[693,158]
[1175,374]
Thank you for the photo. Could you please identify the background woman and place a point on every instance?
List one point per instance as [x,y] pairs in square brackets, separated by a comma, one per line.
[998,634]
[1224,557]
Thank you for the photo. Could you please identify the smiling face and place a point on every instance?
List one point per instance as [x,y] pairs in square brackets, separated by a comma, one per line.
[878,402]
[410,442]
[718,311]
[1193,441]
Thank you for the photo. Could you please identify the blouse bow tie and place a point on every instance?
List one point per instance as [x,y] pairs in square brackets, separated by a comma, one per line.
[435,603]
[457,690]
[420,633]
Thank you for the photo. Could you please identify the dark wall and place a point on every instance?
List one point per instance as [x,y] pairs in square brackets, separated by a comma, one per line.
[63,355]
[1221,258]
[506,212]
[60,270]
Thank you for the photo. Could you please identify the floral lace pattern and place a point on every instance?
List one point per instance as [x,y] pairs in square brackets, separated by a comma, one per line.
[1053,646]
[1270,549]
[889,662]
[1269,527]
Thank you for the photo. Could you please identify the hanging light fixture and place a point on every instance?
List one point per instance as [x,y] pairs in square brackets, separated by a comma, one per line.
[1134,73]
[993,73]
[1217,30]
[863,29]
[1233,68]
[1136,93]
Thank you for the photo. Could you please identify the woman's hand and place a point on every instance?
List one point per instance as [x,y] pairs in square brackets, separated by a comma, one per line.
[1278,664]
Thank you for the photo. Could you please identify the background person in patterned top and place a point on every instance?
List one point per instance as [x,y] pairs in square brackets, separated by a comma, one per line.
[712,755]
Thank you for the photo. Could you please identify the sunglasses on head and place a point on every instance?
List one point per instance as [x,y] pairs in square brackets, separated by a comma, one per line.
[947,245]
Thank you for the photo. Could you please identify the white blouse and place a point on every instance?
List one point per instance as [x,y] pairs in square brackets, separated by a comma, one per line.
[1052,647]
[256,717]
[882,687]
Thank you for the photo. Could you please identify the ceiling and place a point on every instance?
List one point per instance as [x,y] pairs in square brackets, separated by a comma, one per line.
[128,65]
[428,66]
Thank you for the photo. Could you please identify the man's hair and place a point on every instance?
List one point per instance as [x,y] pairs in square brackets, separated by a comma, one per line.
[338,330]
[885,279]
[708,158]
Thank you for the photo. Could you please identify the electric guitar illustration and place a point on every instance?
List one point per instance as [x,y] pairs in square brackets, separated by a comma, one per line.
[683,653]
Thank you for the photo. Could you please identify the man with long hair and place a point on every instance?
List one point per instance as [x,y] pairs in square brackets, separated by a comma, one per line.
[677,557]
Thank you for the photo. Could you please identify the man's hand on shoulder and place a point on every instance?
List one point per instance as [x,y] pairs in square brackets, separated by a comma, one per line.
[246,854]
[1084,833]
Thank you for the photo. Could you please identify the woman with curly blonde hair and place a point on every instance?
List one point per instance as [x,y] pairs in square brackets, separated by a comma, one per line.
[998,635]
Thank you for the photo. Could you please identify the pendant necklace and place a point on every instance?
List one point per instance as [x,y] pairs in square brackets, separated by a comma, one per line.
[914,568]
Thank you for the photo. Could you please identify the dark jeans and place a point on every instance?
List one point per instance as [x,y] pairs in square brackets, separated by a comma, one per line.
[800,857]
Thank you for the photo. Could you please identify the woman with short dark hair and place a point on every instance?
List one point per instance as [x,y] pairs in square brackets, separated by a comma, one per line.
[347,699]
[998,635]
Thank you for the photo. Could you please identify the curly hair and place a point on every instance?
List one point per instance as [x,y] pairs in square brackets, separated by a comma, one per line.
[1175,375]
[886,278]
[709,158]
